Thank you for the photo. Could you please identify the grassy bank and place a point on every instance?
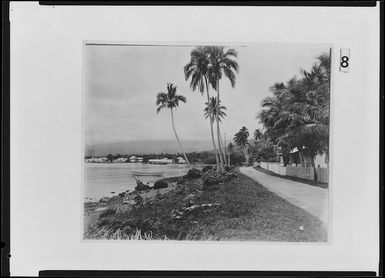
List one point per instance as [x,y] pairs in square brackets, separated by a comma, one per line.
[239,209]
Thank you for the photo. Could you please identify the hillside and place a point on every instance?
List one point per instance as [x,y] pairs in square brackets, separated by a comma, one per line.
[147,147]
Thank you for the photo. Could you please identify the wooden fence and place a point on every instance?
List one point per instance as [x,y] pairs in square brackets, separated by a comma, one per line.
[297,171]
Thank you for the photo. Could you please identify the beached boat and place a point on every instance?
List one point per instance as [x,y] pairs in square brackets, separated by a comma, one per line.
[146,173]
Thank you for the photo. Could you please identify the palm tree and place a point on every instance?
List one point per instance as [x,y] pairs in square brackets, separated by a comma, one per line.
[197,70]
[221,63]
[230,148]
[171,100]
[258,134]
[210,110]
[241,139]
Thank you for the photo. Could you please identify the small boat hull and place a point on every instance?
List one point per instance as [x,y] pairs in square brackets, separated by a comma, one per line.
[147,173]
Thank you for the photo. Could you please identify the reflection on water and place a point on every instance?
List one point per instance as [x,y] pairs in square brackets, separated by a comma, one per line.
[100,179]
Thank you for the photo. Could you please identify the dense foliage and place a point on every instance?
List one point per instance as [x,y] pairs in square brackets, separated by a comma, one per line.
[193,174]
[160,184]
[297,115]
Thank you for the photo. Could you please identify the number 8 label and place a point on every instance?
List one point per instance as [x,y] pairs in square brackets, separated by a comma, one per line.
[344,61]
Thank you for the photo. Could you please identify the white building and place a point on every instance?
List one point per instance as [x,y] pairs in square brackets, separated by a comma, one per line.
[120,160]
[132,158]
[160,161]
[320,160]
[96,160]
[181,160]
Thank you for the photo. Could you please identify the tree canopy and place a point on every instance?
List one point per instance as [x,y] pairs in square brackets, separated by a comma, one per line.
[297,115]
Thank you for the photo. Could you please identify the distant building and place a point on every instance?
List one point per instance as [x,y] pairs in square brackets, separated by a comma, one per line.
[134,159]
[320,160]
[139,159]
[160,161]
[181,160]
[120,160]
[96,160]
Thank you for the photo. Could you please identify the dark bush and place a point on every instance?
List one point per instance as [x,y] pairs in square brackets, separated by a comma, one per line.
[211,178]
[229,176]
[139,200]
[107,212]
[193,174]
[227,168]
[207,168]
[160,184]
[141,186]
[182,180]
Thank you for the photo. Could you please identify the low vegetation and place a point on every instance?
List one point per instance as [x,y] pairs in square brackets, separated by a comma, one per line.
[160,184]
[193,173]
[232,207]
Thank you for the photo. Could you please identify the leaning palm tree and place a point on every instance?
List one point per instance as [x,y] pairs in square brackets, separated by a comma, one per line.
[197,70]
[241,139]
[221,63]
[171,100]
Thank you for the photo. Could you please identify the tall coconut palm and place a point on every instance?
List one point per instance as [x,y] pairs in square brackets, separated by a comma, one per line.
[230,148]
[241,139]
[222,62]
[197,70]
[171,101]
[210,111]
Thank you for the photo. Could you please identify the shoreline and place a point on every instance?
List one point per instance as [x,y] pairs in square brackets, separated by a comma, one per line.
[236,208]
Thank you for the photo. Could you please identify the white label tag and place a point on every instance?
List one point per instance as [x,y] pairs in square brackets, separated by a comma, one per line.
[344,59]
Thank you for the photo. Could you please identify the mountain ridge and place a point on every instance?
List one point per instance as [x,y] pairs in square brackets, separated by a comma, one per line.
[147,147]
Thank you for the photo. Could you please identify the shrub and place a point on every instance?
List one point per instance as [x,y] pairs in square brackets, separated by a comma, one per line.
[193,174]
[160,184]
[181,180]
[229,176]
[207,168]
[139,200]
[141,186]
[107,212]
[227,168]
[211,178]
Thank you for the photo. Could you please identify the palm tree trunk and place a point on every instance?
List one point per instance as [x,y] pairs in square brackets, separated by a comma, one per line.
[213,139]
[223,151]
[211,126]
[228,159]
[315,169]
[177,138]
[218,130]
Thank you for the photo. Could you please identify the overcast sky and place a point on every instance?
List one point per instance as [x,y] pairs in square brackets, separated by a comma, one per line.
[121,84]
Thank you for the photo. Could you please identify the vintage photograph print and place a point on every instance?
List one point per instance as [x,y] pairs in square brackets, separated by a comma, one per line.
[206,142]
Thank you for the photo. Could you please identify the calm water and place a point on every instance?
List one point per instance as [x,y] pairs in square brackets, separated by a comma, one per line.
[103,178]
